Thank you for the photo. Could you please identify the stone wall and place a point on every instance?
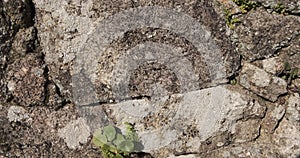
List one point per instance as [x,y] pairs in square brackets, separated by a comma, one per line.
[197,78]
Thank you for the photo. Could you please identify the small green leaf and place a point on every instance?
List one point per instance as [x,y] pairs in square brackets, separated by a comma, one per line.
[107,151]
[119,139]
[99,139]
[133,136]
[110,132]
[233,81]
[126,146]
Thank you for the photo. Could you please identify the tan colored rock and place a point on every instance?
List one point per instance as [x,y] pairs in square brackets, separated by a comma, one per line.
[262,83]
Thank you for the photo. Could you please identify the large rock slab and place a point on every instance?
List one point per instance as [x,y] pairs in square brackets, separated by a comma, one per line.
[76,29]
[148,63]
[183,122]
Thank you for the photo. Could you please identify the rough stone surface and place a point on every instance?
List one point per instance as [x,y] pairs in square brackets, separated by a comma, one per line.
[261,34]
[71,27]
[39,137]
[262,83]
[273,65]
[26,80]
[286,138]
[293,109]
[291,6]
[165,123]
[16,113]
[75,133]
[246,131]
[273,118]
[166,72]
[184,156]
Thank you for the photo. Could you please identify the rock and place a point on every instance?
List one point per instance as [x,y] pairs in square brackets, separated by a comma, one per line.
[5,42]
[6,140]
[273,118]
[296,83]
[184,156]
[21,12]
[273,65]
[182,122]
[255,42]
[64,31]
[26,80]
[262,83]
[17,113]
[24,43]
[159,64]
[293,109]
[286,138]
[291,6]
[75,133]
[245,131]
[250,149]
[75,22]
[54,99]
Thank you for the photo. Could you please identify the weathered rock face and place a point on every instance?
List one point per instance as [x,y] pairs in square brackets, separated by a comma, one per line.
[70,67]
[261,82]
[261,34]
[21,67]
[292,6]
[181,123]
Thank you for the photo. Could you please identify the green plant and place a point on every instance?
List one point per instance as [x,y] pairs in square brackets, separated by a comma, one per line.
[288,73]
[233,81]
[114,144]
[279,8]
[230,20]
[246,5]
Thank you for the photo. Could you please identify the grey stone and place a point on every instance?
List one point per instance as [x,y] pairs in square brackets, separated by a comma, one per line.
[293,109]
[255,42]
[24,42]
[197,115]
[17,113]
[286,138]
[75,22]
[262,83]
[75,133]
[21,12]
[273,65]
[246,131]
[273,117]
[291,6]
[175,101]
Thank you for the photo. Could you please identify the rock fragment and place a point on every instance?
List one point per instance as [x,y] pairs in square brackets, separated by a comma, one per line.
[262,34]
[286,138]
[262,83]
[273,118]
[17,113]
[245,131]
[26,80]
[75,133]
[293,109]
